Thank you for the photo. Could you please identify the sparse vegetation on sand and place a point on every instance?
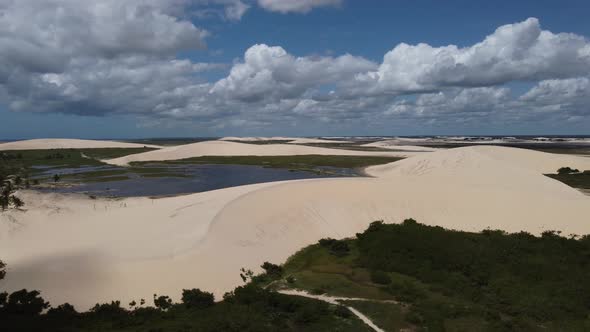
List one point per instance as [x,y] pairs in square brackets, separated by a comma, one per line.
[572,177]
[401,276]
[298,162]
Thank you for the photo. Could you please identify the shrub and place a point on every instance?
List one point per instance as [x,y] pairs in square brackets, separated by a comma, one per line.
[327,242]
[2,270]
[195,298]
[272,270]
[318,291]
[342,311]
[567,170]
[405,291]
[65,310]
[109,310]
[162,302]
[380,277]
[23,302]
[337,247]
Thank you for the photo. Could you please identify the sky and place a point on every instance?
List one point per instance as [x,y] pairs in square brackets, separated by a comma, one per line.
[203,68]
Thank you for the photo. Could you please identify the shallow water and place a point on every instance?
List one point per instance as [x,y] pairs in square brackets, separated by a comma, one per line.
[198,178]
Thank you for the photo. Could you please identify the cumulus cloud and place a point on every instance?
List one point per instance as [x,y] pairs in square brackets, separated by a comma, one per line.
[570,96]
[298,6]
[273,74]
[514,52]
[43,36]
[120,57]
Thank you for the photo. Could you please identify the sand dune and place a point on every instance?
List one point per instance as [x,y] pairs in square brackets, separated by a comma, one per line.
[65,143]
[316,141]
[225,148]
[291,140]
[256,139]
[82,251]
[396,144]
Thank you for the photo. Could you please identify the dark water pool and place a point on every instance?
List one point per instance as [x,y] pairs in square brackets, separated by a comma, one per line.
[197,178]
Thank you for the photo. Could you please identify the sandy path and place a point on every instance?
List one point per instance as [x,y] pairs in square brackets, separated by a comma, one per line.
[64,143]
[82,251]
[336,300]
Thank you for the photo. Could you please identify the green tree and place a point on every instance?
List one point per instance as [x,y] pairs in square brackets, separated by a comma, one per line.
[196,298]
[272,270]
[26,303]
[162,302]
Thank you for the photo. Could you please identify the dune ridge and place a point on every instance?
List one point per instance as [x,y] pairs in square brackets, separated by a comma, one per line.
[67,143]
[84,251]
[226,148]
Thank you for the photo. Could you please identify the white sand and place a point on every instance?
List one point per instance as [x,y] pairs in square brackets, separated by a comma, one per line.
[291,140]
[317,140]
[396,144]
[82,251]
[256,139]
[65,143]
[225,148]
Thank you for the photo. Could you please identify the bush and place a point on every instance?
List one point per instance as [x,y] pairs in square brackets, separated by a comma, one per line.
[109,310]
[272,270]
[337,247]
[406,291]
[567,170]
[65,310]
[318,291]
[23,302]
[2,270]
[380,277]
[162,302]
[195,298]
[342,311]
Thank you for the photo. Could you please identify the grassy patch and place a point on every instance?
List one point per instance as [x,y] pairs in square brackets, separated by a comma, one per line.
[62,158]
[164,175]
[291,162]
[453,281]
[387,316]
[577,180]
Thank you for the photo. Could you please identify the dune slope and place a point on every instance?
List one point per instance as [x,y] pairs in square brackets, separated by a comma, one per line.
[65,143]
[83,251]
[225,148]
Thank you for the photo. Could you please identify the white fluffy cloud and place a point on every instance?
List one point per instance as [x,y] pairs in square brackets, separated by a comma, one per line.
[569,96]
[273,74]
[296,6]
[514,52]
[120,57]
[43,36]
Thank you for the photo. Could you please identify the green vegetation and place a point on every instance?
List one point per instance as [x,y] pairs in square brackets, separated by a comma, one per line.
[572,177]
[39,164]
[451,281]
[246,308]
[70,158]
[388,316]
[29,163]
[301,162]
[411,276]
[567,170]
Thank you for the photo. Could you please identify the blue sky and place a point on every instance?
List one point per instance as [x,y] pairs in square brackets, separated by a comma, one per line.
[165,68]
